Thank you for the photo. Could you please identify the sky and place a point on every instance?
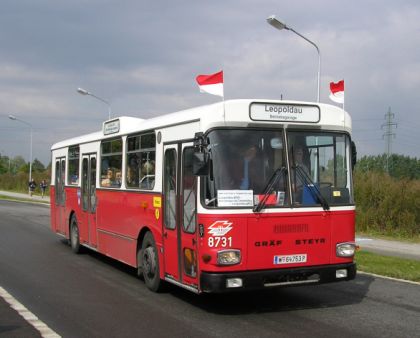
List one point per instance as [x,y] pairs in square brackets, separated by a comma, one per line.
[143,57]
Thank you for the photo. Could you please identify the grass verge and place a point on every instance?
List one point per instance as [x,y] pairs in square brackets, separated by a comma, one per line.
[21,199]
[395,267]
[394,237]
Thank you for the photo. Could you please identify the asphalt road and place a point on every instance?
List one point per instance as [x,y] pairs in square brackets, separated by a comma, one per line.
[90,295]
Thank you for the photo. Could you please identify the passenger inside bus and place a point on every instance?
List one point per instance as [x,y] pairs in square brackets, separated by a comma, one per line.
[299,169]
[118,180]
[109,179]
[252,170]
[132,178]
[147,180]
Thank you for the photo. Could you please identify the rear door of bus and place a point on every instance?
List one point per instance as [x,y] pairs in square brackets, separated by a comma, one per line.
[60,195]
[179,228]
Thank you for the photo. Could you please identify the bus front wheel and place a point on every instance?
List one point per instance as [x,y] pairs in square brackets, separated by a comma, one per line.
[74,235]
[150,263]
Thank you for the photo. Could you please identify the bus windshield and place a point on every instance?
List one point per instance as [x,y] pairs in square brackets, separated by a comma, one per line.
[249,165]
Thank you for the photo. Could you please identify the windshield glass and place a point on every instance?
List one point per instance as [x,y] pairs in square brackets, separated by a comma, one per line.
[243,162]
[249,169]
[320,162]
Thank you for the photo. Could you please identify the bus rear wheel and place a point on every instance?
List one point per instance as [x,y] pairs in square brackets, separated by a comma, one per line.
[74,235]
[150,264]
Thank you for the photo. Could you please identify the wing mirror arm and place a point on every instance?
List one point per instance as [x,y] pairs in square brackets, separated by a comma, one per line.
[201,157]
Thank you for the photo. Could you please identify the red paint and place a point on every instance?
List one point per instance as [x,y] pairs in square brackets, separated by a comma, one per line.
[121,216]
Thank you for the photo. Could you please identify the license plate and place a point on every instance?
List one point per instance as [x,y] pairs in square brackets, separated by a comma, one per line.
[290,259]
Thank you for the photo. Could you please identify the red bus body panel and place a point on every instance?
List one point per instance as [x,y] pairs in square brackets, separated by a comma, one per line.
[121,216]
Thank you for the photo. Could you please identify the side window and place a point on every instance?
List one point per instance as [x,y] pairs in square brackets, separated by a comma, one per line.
[141,152]
[111,163]
[73,172]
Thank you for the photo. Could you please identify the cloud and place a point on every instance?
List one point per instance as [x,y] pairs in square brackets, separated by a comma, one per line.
[143,57]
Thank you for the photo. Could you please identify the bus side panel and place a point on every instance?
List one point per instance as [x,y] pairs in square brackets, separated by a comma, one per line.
[121,216]
[72,205]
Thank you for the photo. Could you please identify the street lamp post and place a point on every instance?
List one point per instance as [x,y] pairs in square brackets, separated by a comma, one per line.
[85,92]
[14,118]
[279,25]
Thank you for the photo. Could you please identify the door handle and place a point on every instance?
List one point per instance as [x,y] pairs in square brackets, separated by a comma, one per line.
[165,234]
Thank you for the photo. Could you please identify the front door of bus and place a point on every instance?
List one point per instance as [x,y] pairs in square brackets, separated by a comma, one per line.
[88,227]
[179,228]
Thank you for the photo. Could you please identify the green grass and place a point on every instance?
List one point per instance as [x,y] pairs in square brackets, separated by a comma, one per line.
[395,267]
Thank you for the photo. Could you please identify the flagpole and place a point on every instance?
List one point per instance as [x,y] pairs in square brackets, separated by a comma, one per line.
[223,95]
[224,111]
[344,96]
[344,99]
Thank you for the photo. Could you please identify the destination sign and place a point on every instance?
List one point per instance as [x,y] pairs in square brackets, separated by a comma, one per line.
[111,127]
[280,112]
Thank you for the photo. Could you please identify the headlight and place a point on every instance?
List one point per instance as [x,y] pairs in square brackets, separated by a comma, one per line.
[345,249]
[229,257]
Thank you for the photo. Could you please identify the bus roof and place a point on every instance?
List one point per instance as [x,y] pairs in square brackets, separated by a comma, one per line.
[242,112]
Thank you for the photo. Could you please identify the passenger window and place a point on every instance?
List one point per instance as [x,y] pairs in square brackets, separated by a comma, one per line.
[73,172]
[141,151]
[111,163]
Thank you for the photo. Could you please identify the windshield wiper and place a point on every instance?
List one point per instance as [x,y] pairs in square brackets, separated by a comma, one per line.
[269,188]
[313,189]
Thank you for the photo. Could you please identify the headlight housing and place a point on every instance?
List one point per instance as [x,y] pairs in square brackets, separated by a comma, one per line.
[345,249]
[228,257]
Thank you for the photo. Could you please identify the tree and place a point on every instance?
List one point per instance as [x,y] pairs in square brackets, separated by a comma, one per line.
[4,164]
[37,166]
[18,164]
[399,166]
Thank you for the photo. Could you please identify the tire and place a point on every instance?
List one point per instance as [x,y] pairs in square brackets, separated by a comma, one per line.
[150,264]
[74,236]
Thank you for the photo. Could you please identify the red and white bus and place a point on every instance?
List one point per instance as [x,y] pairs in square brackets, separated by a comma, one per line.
[237,195]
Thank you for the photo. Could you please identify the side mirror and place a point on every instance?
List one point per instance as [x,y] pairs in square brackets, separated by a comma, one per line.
[201,164]
[353,155]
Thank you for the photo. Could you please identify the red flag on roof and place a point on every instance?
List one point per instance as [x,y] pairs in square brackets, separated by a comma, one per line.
[337,91]
[211,84]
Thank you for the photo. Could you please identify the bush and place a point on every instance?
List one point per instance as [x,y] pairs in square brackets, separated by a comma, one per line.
[19,182]
[386,205]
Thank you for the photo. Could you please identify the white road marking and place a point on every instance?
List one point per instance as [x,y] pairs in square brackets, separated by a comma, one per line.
[45,331]
[362,239]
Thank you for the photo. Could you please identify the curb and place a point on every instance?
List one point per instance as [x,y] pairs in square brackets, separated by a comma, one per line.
[389,278]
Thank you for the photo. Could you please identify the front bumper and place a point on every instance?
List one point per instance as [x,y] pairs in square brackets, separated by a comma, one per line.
[260,279]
